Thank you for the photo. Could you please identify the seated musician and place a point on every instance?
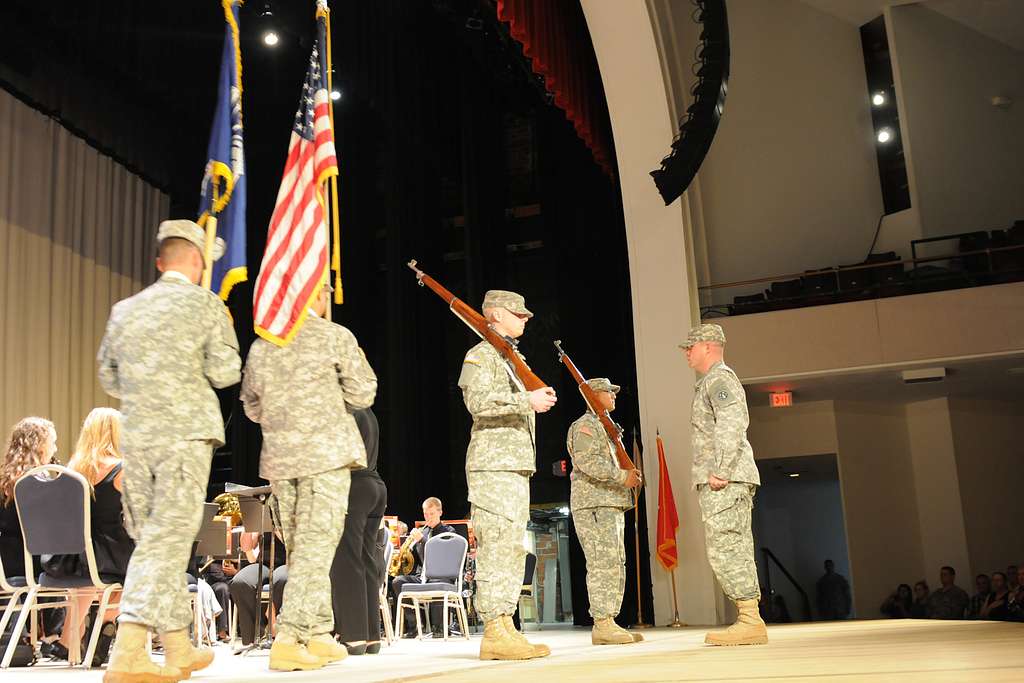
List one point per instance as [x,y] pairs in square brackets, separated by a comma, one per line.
[415,545]
[246,571]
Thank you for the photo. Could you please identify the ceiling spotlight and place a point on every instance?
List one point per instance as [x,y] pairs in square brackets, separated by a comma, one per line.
[884,135]
[266,19]
[794,475]
[270,38]
[335,94]
[878,99]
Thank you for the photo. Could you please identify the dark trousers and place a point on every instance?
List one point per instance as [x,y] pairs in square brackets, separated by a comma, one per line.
[358,568]
[436,614]
[222,589]
[243,595]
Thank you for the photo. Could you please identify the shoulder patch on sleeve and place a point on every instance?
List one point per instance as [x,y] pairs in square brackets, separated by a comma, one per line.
[722,393]
[586,430]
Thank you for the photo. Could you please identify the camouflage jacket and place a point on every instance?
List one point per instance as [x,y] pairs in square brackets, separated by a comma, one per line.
[298,394]
[597,479]
[163,352]
[502,437]
[719,418]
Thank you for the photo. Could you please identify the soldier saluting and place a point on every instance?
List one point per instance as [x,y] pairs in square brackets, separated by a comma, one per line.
[299,393]
[164,351]
[499,462]
[598,499]
[726,480]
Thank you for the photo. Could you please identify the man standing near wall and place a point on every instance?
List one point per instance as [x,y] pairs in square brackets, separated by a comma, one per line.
[726,480]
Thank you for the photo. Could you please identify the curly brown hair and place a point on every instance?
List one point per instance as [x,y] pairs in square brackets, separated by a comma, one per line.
[26,448]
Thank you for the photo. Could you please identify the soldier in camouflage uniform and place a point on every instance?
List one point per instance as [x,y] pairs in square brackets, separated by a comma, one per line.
[298,393]
[726,480]
[600,495]
[499,462]
[164,351]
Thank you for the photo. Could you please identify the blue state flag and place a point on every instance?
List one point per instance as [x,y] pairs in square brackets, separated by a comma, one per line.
[223,190]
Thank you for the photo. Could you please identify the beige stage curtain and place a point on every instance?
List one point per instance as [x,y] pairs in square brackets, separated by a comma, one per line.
[76,235]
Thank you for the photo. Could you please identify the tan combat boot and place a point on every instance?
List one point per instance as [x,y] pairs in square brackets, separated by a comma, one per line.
[130,663]
[288,654]
[326,648]
[179,653]
[607,632]
[749,629]
[499,644]
[539,649]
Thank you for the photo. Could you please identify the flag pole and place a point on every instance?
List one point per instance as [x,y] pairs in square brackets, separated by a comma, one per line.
[335,263]
[675,603]
[332,195]
[211,236]
[636,539]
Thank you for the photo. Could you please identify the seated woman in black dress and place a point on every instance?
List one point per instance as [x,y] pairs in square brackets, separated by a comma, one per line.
[32,442]
[97,457]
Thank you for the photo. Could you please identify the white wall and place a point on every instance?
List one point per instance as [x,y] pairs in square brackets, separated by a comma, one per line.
[967,157]
[989,453]
[791,181]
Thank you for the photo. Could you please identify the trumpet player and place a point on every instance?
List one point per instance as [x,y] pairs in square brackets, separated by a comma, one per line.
[410,559]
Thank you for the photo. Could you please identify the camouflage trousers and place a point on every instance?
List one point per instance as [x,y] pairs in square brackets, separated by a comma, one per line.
[310,512]
[602,534]
[164,490]
[729,541]
[499,512]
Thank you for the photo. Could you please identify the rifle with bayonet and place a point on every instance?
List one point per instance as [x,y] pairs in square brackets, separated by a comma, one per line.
[503,345]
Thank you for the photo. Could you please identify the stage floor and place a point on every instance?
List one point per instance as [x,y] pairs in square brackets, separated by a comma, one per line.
[903,650]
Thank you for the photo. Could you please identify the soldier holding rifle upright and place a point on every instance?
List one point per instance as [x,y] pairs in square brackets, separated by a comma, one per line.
[499,463]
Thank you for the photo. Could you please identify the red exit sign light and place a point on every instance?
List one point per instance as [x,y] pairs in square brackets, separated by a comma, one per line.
[780,399]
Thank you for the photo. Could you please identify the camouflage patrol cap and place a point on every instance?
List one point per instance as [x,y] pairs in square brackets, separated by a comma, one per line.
[708,332]
[603,384]
[499,298]
[189,230]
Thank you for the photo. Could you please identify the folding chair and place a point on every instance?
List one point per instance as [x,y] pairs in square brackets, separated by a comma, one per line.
[385,613]
[53,504]
[444,563]
[12,589]
[527,592]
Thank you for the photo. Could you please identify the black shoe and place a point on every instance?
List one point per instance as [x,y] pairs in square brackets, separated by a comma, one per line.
[53,651]
[356,649]
[373,648]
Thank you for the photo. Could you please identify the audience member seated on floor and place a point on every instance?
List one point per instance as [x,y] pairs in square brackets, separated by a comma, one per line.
[97,457]
[243,585]
[899,603]
[32,442]
[833,594]
[919,608]
[948,601]
[997,608]
[982,587]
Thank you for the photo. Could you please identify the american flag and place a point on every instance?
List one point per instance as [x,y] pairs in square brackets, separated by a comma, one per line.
[295,261]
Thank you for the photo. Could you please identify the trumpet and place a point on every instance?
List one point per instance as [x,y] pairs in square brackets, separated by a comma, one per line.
[403,561]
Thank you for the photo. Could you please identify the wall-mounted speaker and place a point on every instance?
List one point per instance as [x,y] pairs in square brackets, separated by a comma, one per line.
[698,127]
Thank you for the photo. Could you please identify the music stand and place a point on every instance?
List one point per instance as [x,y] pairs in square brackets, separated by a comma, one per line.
[252,501]
[212,538]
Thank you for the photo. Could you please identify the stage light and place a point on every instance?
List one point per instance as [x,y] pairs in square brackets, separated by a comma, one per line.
[794,475]
[266,20]
[564,510]
[884,135]
[335,94]
[878,99]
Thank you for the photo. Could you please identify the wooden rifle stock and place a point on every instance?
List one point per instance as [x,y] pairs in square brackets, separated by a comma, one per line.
[611,428]
[476,322]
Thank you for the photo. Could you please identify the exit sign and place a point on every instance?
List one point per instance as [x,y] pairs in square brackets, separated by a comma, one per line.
[780,399]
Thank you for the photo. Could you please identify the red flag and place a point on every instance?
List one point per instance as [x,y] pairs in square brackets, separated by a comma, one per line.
[668,518]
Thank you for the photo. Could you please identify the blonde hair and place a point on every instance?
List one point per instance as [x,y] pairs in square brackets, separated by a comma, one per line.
[26,448]
[432,502]
[100,438]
